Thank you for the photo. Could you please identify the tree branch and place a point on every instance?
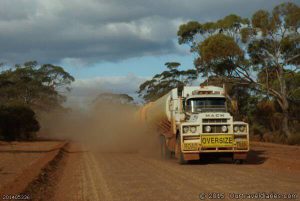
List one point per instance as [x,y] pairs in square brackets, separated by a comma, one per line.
[292,58]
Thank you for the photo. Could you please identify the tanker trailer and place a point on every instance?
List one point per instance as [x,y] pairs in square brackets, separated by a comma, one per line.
[196,123]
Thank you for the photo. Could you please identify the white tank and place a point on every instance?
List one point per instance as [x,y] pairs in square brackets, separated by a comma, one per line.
[160,110]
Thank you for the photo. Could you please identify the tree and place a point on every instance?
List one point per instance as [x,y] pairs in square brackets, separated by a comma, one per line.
[26,89]
[17,122]
[260,53]
[39,87]
[169,79]
[277,51]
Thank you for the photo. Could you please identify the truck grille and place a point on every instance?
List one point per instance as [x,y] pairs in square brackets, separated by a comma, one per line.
[214,120]
[214,129]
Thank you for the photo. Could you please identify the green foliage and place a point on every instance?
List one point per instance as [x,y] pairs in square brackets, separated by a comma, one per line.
[17,122]
[187,31]
[290,13]
[162,83]
[172,65]
[194,32]
[245,34]
[208,27]
[219,46]
[55,76]
[293,80]
[280,39]
[265,114]
[38,87]
[261,20]
[294,140]
[257,129]
[263,54]
[219,54]
[231,22]
[25,88]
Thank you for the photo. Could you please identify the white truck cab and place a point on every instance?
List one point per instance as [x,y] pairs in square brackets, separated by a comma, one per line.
[197,122]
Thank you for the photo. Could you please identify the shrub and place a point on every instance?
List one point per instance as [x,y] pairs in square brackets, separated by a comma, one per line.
[17,122]
[294,139]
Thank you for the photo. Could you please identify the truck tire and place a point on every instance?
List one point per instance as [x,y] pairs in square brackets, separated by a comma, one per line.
[165,152]
[178,152]
[238,161]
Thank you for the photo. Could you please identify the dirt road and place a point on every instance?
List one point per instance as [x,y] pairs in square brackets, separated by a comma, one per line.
[133,176]
[21,162]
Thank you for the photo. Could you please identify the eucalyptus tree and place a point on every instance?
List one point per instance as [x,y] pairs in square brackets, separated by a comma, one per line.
[40,87]
[262,52]
[163,82]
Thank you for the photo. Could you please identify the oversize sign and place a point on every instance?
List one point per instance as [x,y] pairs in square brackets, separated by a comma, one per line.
[217,140]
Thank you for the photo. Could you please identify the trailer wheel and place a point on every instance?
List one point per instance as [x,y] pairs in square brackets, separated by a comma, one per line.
[178,152]
[165,152]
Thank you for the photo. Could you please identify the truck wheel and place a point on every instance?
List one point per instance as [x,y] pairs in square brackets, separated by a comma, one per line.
[165,152]
[238,161]
[178,152]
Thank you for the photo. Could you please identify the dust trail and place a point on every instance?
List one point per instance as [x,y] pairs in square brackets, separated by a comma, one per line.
[105,126]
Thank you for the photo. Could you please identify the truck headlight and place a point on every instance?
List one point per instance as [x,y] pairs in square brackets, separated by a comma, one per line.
[224,129]
[193,129]
[235,128]
[185,129]
[242,128]
[207,129]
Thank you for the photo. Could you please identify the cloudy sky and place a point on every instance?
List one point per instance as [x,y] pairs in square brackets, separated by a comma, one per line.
[107,44]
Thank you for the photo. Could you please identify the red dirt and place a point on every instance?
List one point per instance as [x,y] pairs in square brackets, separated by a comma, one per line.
[86,175]
[133,176]
[21,163]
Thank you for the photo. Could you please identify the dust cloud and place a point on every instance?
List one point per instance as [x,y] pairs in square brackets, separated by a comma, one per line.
[104,126]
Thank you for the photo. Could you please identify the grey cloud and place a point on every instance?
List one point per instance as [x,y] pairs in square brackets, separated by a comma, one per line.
[16,9]
[99,30]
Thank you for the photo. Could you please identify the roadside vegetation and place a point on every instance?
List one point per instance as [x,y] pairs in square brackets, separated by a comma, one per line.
[256,58]
[27,90]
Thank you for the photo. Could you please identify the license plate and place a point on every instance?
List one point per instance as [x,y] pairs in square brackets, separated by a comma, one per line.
[217,140]
[190,146]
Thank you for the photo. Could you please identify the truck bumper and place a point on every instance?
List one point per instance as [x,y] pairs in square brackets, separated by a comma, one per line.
[237,153]
[197,156]
[194,145]
[217,150]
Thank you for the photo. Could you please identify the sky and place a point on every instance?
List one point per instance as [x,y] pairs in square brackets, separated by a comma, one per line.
[107,45]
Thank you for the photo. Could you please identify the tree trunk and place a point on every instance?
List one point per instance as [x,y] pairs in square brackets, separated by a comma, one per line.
[285,125]
[285,103]
[285,120]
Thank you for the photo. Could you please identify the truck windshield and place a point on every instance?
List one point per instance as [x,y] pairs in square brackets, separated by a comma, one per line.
[196,105]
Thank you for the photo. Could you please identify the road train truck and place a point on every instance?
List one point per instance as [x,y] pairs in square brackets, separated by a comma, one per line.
[195,123]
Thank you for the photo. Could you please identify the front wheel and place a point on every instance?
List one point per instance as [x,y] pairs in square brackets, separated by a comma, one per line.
[178,152]
[238,161]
